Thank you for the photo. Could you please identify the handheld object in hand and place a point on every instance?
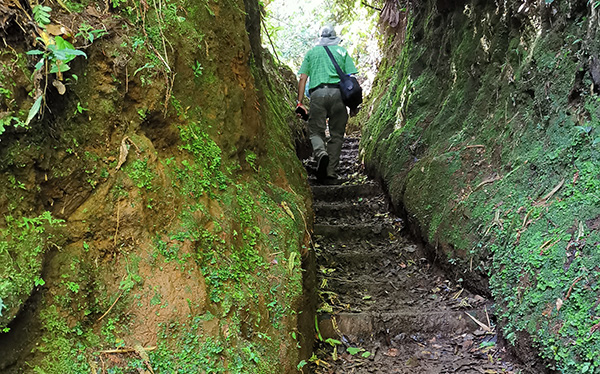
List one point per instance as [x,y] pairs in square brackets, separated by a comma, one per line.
[303,113]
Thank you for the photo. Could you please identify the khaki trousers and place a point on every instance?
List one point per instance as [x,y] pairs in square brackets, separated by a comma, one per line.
[326,103]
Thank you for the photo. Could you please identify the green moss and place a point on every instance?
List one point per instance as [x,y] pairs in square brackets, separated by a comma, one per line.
[203,171]
[479,144]
[22,246]
[225,199]
[141,173]
[64,349]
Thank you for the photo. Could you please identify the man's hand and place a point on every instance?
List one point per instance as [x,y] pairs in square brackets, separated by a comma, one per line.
[301,111]
[300,105]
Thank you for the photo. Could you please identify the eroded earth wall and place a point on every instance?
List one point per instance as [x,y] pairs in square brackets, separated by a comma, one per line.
[484,124]
[154,211]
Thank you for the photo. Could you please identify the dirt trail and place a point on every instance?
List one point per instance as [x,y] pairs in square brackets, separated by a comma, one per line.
[380,296]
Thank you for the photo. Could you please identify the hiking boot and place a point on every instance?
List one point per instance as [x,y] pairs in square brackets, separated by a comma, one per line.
[322,167]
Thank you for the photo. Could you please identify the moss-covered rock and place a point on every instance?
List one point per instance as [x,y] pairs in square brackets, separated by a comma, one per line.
[171,161]
[484,128]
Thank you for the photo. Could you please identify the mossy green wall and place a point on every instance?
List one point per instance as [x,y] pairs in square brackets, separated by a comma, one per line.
[486,130]
[186,212]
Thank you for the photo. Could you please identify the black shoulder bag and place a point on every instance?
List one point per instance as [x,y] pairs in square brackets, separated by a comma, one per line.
[349,87]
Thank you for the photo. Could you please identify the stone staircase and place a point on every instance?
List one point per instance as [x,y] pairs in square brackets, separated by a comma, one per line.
[379,294]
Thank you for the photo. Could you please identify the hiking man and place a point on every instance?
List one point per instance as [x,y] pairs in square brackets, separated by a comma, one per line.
[325,101]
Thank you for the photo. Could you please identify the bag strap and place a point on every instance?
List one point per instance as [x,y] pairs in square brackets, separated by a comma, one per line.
[337,67]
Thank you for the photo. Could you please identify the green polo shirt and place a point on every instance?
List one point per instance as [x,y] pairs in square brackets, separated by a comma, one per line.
[318,66]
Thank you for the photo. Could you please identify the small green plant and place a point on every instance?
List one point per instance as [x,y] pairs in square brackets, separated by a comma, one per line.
[251,159]
[79,108]
[143,113]
[73,287]
[55,59]
[9,121]
[89,33]
[41,15]
[116,3]
[301,364]
[57,54]
[197,68]
[141,173]
[6,93]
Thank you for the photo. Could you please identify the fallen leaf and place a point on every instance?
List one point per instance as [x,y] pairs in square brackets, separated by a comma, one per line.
[60,87]
[467,344]
[123,152]
[324,283]
[559,304]
[291,262]
[287,209]
[392,352]
[93,12]
[413,362]
[141,352]
[54,29]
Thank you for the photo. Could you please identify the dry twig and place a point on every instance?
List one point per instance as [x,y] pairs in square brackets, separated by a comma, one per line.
[571,288]
[125,350]
[109,309]
[545,199]
[118,221]
[481,324]
[487,181]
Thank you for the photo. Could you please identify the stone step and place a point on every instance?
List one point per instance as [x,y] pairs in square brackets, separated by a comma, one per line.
[371,205]
[355,250]
[360,218]
[348,192]
[366,325]
[350,145]
[367,231]
[389,295]
[344,168]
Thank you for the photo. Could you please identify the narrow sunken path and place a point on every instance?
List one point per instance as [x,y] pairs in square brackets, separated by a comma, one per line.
[383,307]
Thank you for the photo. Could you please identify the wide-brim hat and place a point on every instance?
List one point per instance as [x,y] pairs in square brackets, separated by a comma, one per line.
[328,36]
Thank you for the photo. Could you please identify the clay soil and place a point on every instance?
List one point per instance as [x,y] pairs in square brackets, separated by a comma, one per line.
[384,308]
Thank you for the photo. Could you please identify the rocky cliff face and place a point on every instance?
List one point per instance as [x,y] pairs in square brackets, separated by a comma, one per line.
[484,124]
[155,214]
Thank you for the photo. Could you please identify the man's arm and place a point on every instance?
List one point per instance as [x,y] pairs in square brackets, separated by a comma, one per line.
[350,68]
[301,87]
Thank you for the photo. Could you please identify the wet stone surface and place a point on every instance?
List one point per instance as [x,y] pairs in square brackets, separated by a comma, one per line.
[383,307]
